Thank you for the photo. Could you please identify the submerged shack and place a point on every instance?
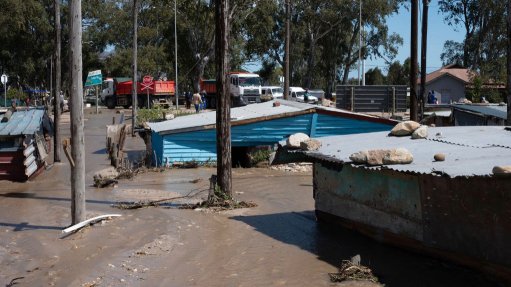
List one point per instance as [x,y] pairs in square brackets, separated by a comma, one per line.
[193,137]
[455,209]
[23,145]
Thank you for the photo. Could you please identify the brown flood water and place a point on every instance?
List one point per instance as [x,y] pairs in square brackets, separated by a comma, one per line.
[277,243]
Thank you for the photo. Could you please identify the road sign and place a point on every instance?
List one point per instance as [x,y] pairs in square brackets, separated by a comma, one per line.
[147,83]
[94,78]
[4,79]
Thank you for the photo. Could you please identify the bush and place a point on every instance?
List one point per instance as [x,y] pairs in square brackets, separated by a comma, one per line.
[150,115]
[14,93]
[260,155]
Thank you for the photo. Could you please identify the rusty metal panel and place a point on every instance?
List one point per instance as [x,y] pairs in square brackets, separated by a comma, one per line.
[470,216]
[385,199]
[12,166]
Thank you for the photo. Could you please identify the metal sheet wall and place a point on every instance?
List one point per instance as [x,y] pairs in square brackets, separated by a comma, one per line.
[371,98]
[200,146]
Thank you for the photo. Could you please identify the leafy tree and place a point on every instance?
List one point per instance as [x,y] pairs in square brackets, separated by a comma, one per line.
[24,47]
[375,77]
[484,24]
[399,74]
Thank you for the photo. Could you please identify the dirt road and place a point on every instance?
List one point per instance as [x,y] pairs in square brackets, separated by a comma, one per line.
[277,243]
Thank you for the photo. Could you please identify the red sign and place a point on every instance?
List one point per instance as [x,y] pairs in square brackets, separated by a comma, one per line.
[147,81]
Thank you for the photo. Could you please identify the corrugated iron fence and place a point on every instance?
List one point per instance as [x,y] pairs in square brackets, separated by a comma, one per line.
[372,98]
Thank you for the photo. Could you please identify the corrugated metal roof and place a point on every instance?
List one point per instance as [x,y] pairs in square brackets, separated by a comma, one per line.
[22,123]
[256,112]
[469,150]
[487,110]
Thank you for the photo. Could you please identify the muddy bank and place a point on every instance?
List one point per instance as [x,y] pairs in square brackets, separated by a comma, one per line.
[277,243]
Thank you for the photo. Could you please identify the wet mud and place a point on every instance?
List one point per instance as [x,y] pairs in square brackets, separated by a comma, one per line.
[277,243]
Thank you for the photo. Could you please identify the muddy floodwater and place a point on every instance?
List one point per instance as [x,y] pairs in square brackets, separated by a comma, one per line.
[277,243]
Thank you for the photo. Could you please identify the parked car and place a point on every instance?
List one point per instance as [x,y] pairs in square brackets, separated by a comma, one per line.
[296,94]
[271,93]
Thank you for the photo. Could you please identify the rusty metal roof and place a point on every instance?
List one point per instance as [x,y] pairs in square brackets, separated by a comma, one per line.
[22,123]
[470,151]
[486,110]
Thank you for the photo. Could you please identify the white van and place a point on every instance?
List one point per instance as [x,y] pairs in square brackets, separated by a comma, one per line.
[296,94]
[272,92]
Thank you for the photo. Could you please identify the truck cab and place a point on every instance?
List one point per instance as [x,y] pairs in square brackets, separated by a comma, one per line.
[246,87]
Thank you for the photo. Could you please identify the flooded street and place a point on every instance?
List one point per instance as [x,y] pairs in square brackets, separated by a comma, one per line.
[277,243]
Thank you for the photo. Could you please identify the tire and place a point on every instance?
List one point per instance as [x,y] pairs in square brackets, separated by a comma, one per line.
[110,103]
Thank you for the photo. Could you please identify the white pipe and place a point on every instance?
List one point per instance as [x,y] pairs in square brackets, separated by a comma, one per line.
[29,160]
[31,169]
[29,150]
[87,222]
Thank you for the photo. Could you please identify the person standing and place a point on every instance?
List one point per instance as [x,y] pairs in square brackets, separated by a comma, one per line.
[188,99]
[197,101]
[306,96]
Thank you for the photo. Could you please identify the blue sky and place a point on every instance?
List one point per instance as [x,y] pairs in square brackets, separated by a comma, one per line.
[438,33]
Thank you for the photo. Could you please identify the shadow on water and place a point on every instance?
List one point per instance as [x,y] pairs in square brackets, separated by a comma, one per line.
[100,151]
[332,244]
[24,226]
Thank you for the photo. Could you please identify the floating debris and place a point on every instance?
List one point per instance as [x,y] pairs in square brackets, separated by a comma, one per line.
[352,270]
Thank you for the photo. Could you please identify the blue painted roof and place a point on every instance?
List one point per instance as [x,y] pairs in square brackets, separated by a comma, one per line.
[487,110]
[253,113]
[22,123]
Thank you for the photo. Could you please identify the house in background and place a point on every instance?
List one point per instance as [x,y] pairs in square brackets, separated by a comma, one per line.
[449,83]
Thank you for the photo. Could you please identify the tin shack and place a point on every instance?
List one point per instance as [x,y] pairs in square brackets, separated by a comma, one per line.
[23,145]
[193,137]
[455,209]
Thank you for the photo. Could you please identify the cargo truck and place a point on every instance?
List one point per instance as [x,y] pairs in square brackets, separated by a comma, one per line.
[117,92]
[245,88]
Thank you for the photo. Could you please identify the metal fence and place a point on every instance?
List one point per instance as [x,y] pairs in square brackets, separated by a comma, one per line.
[389,99]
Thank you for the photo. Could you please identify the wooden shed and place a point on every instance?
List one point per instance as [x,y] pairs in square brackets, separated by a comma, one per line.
[22,144]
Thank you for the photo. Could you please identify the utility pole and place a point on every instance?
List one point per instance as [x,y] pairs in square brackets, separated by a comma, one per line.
[359,41]
[77,135]
[134,66]
[175,53]
[508,62]
[424,45]
[413,61]
[56,94]
[286,53]
[223,101]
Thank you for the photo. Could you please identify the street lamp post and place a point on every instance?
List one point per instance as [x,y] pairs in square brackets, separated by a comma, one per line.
[4,82]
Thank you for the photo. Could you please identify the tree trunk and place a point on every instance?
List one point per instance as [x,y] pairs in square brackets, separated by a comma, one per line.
[508,62]
[134,97]
[286,50]
[310,63]
[223,99]
[56,94]
[77,134]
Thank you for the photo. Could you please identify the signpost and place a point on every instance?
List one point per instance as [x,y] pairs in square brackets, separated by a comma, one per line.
[94,78]
[4,82]
[147,84]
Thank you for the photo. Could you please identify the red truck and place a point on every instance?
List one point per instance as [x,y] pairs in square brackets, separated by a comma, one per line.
[117,92]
